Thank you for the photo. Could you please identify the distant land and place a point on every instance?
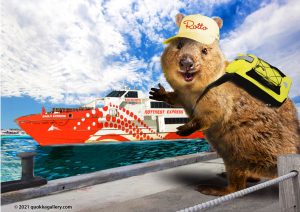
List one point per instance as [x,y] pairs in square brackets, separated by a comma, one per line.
[12,132]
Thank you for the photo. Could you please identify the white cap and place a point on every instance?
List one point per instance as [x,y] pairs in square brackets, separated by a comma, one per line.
[199,28]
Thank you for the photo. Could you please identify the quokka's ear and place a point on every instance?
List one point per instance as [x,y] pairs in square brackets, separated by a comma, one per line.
[219,21]
[178,19]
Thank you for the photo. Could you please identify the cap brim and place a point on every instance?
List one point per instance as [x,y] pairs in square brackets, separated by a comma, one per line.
[167,41]
[207,40]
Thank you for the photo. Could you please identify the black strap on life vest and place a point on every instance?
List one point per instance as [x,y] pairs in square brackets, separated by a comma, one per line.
[224,78]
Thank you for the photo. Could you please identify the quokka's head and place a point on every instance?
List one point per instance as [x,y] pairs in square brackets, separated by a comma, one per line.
[188,63]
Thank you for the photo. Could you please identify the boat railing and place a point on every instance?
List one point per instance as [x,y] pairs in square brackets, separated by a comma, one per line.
[56,109]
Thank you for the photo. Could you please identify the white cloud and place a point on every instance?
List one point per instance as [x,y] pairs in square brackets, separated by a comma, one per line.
[143,17]
[69,51]
[52,48]
[65,50]
[271,33]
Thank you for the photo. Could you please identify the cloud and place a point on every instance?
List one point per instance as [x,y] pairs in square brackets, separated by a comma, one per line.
[52,48]
[143,17]
[69,51]
[61,51]
[272,33]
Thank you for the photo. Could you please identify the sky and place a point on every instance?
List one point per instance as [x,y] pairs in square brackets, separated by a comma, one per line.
[65,53]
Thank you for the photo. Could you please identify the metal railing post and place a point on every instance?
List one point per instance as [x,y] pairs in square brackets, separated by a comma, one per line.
[27,165]
[28,179]
[289,190]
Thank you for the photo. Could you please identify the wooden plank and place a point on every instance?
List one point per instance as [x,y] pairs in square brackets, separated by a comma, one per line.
[289,190]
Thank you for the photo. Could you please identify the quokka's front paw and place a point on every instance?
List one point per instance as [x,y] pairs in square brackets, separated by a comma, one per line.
[250,179]
[158,94]
[184,130]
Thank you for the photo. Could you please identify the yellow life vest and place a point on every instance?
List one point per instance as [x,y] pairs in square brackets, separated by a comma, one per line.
[261,74]
[257,77]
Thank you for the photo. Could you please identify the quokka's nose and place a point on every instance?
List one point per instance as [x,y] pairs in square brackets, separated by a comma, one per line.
[186,63]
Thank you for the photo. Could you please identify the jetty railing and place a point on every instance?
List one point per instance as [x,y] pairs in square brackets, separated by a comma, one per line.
[289,189]
[28,180]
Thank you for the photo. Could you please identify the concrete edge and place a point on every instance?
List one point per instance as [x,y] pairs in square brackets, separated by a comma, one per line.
[84,180]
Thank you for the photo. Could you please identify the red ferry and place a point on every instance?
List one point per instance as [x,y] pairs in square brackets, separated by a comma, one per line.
[123,115]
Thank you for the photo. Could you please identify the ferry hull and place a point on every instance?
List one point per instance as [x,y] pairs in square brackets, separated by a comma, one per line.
[128,137]
[79,130]
[53,134]
[44,137]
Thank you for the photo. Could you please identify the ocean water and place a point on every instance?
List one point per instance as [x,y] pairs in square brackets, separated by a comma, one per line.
[64,161]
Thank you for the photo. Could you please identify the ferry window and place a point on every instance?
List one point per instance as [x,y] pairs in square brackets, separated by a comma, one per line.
[113,112]
[116,94]
[160,105]
[99,103]
[132,94]
[70,115]
[176,120]
[123,104]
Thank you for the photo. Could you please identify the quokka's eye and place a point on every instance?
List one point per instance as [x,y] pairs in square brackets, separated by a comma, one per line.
[204,51]
[180,44]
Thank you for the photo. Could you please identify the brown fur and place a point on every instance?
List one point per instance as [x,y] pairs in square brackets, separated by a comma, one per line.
[245,132]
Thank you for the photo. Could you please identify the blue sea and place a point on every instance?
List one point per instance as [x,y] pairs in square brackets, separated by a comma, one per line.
[64,161]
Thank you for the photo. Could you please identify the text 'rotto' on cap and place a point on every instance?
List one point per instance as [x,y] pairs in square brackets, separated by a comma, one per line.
[199,28]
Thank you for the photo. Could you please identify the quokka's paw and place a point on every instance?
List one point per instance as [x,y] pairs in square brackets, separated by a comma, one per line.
[253,179]
[249,179]
[159,93]
[213,190]
[184,130]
